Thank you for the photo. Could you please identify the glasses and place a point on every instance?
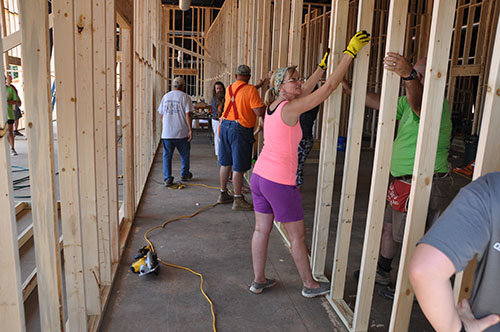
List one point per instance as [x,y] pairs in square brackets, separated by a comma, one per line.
[295,80]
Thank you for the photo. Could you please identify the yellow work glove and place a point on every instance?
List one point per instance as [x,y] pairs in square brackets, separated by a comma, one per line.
[360,39]
[324,61]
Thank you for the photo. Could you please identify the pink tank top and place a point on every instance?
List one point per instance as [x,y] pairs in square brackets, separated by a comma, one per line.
[278,160]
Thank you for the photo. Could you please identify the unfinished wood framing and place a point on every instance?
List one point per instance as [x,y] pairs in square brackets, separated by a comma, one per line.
[425,156]
[65,60]
[328,155]
[351,163]
[380,175]
[35,55]
[264,35]
[112,132]
[294,47]
[101,138]
[11,308]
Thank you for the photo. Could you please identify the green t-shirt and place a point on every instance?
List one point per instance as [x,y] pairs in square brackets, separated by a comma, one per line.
[405,144]
[11,95]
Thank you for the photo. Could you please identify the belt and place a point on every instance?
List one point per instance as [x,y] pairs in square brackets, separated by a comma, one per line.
[408,177]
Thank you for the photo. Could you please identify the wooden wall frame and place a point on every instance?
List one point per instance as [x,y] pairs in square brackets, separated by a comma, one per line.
[12,308]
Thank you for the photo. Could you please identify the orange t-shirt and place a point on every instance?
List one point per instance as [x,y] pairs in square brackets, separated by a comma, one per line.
[247,99]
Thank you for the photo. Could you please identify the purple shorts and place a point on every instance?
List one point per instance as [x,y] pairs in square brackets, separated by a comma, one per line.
[282,200]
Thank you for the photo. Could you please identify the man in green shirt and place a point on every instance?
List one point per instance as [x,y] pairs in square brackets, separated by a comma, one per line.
[12,100]
[403,158]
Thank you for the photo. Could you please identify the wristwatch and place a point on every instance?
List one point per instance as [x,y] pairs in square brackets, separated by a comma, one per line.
[412,76]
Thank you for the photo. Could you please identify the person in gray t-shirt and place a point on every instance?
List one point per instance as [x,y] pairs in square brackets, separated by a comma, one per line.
[469,227]
[175,110]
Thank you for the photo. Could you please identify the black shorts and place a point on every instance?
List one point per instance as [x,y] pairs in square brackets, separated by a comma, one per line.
[10,121]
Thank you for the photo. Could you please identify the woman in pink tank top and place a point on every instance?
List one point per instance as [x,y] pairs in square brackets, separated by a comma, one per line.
[275,195]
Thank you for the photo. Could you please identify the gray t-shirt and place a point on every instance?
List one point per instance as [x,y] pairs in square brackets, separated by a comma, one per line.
[173,107]
[470,226]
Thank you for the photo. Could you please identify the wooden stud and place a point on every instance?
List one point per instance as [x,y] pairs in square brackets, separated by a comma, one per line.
[101,137]
[276,34]
[328,153]
[351,163]
[11,307]
[307,55]
[294,49]
[65,61]
[4,33]
[111,130]
[86,161]
[11,41]
[423,170]
[284,31]
[35,59]
[380,174]
[127,123]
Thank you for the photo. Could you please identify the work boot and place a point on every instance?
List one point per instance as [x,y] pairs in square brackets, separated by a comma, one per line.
[224,198]
[239,204]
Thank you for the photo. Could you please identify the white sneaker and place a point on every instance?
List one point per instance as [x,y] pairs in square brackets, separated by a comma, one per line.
[13,152]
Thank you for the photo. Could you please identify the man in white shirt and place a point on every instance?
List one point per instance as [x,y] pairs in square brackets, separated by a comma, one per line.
[175,110]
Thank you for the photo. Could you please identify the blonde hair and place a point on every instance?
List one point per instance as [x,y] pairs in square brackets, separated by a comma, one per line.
[273,91]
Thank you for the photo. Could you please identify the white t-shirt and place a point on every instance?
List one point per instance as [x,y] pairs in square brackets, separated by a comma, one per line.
[173,107]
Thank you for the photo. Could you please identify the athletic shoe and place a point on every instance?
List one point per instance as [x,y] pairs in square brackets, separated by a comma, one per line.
[257,288]
[187,177]
[13,152]
[17,133]
[323,289]
[224,198]
[169,181]
[239,204]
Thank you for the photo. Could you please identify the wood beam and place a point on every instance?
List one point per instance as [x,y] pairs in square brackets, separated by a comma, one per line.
[69,186]
[35,55]
[294,47]
[11,306]
[380,176]
[125,9]
[86,157]
[425,156]
[284,33]
[351,163]
[328,153]
[127,123]
[112,125]
[13,40]
[101,137]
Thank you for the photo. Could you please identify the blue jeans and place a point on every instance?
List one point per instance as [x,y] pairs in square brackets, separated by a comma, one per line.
[184,148]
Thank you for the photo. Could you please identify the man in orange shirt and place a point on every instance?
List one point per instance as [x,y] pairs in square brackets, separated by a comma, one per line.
[242,106]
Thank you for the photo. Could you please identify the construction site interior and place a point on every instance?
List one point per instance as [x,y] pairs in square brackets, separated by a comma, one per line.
[87,182]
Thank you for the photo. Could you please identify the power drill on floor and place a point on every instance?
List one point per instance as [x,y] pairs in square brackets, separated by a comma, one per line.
[146,262]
